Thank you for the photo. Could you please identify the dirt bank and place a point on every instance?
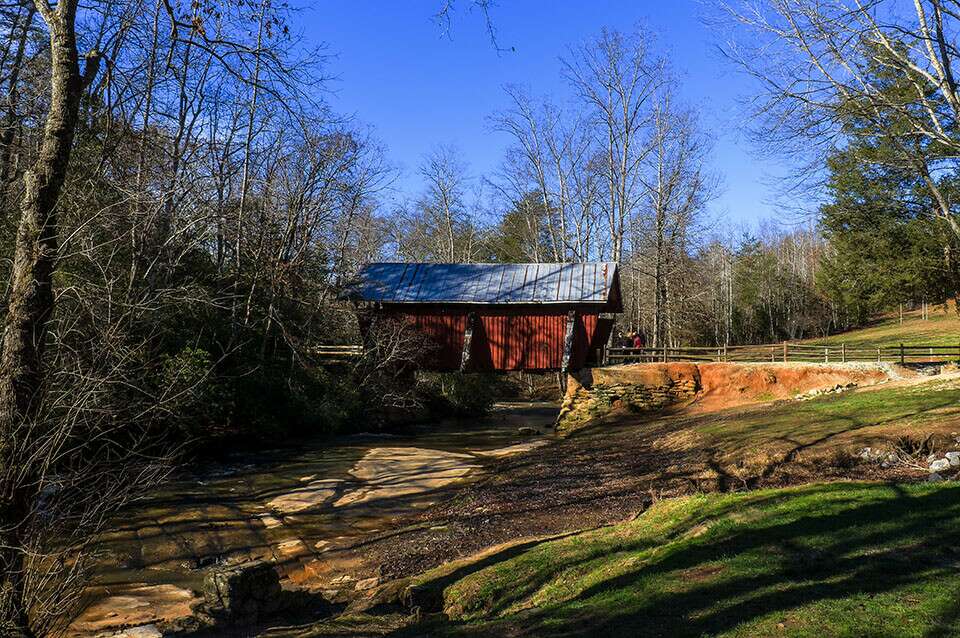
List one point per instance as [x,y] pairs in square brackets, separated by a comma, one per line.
[726,385]
[602,394]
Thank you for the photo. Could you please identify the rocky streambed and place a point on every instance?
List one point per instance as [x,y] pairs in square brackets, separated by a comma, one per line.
[307,511]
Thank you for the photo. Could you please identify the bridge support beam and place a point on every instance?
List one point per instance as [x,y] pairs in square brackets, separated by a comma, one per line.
[467,341]
[568,341]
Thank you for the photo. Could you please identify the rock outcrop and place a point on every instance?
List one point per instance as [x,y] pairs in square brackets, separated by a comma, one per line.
[597,393]
[243,594]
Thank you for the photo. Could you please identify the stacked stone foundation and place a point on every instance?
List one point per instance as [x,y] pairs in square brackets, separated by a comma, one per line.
[595,394]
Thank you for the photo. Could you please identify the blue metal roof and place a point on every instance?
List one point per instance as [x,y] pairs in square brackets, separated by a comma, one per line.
[589,283]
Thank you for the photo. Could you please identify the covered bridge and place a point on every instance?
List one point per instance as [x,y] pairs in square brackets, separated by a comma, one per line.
[496,317]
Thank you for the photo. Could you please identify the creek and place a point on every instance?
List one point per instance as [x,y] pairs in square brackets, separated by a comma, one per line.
[307,509]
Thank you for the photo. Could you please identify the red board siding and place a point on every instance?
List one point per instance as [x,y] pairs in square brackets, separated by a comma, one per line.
[505,338]
[519,342]
[446,336]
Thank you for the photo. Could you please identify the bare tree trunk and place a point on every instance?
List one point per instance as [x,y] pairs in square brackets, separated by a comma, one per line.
[245,178]
[31,293]
[10,123]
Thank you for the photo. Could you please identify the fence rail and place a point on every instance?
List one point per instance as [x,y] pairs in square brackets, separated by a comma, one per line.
[337,352]
[785,352]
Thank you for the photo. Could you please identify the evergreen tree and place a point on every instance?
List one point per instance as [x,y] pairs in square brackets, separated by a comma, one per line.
[887,245]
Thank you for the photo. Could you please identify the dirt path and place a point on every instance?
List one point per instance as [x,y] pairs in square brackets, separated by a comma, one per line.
[308,510]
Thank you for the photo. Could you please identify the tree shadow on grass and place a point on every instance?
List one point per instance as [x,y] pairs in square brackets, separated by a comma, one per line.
[853,549]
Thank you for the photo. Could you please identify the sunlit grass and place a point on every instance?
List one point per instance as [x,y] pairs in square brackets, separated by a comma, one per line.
[847,417]
[842,559]
[942,328]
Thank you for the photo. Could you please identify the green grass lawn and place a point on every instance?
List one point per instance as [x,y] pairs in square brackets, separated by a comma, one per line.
[839,559]
[941,329]
[846,419]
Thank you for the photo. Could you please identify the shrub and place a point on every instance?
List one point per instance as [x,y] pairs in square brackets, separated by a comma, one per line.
[197,401]
[459,394]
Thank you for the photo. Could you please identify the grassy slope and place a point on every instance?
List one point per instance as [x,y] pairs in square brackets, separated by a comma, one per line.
[847,420]
[779,443]
[941,329]
[841,559]
[837,559]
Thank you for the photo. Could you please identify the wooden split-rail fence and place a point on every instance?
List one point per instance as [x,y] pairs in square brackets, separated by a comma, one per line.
[337,353]
[776,352]
[785,352]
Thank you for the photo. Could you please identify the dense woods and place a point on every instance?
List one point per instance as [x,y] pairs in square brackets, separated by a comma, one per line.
[180,210]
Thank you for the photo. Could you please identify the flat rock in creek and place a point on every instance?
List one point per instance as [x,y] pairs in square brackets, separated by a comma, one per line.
[511,449]
[390,472]
[137,605]
[270,522]
[143,631]
[302,498]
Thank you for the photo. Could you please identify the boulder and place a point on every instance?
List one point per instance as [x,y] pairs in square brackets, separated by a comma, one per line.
[367,584]
[242,594]
[423,597]
[940,465]
[934,478]
[954,458]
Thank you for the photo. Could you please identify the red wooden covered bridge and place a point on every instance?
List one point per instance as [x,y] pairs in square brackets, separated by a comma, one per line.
[493,317]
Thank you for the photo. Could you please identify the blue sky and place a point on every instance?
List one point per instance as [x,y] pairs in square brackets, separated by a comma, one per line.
[397,72]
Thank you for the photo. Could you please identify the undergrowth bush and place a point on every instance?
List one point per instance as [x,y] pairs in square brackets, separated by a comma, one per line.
[197,401]
[275,403]
[459,394]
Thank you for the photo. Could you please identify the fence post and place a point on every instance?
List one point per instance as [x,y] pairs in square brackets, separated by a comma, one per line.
[879,356]
[725,357]
[784,351]
[843,353]
[826,354]
[901,354]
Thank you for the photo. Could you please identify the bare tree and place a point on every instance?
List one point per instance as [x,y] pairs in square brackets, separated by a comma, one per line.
[618,78]
[550,157]
[31,295]
[821,64]
[15,52]
[442,224]
[677,188]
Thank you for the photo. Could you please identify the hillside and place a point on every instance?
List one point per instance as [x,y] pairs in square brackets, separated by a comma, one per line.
[941,328]
[842,559]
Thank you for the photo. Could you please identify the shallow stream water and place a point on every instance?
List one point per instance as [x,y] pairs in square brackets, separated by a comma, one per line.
[306,508]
